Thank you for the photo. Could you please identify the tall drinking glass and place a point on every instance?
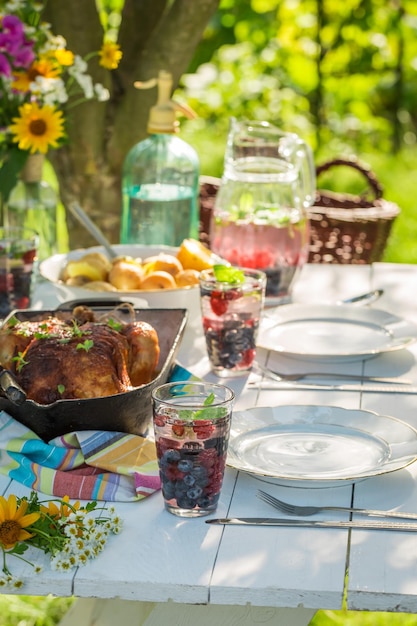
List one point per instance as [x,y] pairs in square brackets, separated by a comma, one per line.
[231,300]
[260,215]
[192,425]
[18,253]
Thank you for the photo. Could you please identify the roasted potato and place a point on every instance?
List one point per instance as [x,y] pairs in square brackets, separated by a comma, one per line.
[126,275]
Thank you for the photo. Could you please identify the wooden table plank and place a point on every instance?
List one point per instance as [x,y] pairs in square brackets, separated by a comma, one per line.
[279,567]
[382,567]
[157,556]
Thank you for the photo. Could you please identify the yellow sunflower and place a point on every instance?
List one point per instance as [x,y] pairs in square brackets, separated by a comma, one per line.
[110,55]
[38,128]
[13,521]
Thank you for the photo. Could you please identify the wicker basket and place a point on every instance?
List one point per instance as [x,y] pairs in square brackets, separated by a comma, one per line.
[347,228]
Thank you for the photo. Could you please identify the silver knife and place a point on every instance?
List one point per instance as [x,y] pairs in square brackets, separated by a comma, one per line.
[323,375]
[263,384]
[277,521]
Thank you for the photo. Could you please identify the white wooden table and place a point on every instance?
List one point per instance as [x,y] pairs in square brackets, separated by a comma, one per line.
[162,569]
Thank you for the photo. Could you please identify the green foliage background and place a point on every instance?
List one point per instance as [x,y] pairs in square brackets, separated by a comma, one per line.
[340,73]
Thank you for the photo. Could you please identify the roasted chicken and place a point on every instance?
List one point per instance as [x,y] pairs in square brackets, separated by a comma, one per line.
[56,359]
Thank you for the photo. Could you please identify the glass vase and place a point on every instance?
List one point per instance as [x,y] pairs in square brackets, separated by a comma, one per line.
[33,204]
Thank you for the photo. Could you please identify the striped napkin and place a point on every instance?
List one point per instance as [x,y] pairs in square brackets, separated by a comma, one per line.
[84,465]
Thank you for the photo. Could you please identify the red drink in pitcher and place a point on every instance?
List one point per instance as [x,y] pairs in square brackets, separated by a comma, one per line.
[278,250]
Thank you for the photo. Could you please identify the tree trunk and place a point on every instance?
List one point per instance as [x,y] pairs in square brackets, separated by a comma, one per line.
[154,35]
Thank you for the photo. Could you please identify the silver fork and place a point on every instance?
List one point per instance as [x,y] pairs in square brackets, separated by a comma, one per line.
[283,377]
[305,511]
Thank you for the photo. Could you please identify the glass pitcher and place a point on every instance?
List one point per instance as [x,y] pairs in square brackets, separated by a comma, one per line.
[260,215]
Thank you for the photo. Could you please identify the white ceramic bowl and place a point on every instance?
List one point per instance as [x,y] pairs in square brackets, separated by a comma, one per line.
[181,298]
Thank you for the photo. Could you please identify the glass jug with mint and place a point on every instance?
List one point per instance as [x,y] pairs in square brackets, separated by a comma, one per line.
[260,217]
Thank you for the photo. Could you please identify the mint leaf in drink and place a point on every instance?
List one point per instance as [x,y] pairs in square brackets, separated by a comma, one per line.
[212,413]
[209,400]
[186,415]
[208,413]
[228,274]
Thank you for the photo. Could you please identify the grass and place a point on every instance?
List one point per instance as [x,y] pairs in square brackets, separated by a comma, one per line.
[32,610]
[361,618]
[397,174]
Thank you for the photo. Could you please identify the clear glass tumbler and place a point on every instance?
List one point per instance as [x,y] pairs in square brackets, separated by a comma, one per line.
[192,425]
[231,312]
[18,253]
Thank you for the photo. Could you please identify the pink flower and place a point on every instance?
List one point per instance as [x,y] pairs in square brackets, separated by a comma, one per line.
[11,24]
[25,55]
[5,68]
[13,42]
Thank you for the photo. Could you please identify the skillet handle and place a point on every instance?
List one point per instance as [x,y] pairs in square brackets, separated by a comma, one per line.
[11,388]
[100,302]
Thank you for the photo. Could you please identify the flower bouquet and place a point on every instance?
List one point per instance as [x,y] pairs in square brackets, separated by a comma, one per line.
[40,80]
[70,533]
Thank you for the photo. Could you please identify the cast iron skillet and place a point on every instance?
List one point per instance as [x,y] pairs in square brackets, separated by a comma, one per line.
[128,412]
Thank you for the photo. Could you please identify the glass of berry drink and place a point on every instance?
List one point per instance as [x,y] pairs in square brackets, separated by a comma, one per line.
[18,253]
[191,425]
[232,300]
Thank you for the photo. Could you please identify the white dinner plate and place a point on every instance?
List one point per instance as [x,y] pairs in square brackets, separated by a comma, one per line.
[334,333]
[319,446]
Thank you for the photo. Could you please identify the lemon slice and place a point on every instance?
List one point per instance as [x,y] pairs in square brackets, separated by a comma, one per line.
[90,270]
[193,255]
